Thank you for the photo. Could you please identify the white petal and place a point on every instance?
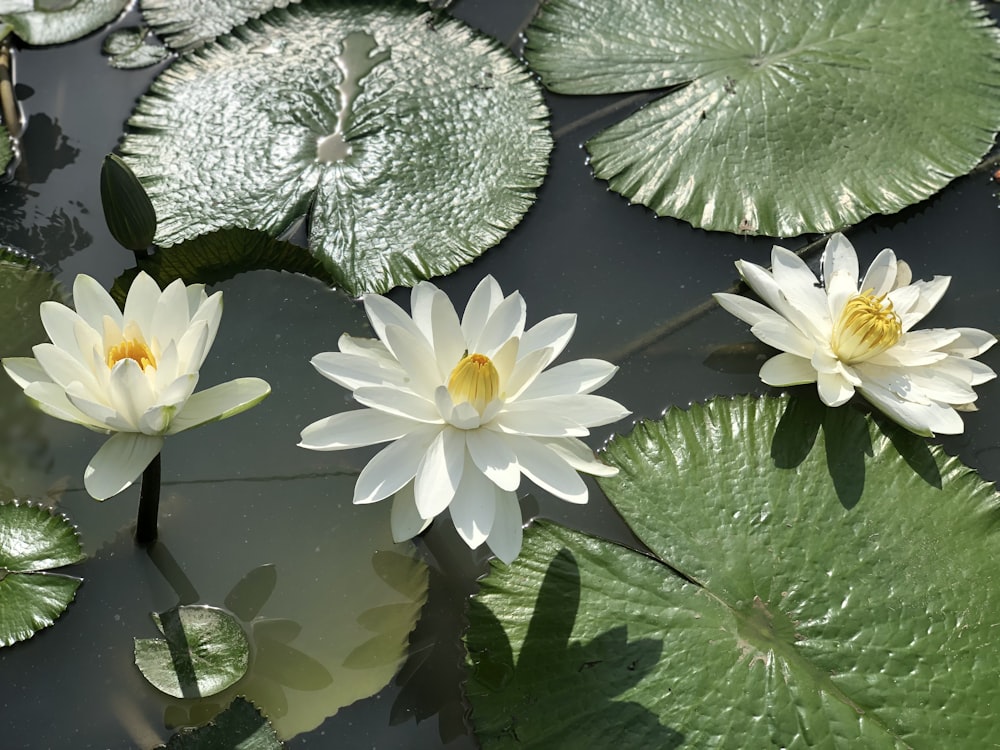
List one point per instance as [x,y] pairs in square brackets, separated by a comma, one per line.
[383,312]
[219,402]
[586,410]
[447,337]
[406,522]
[577,455]
[538,423]
[353,371]
[840,272]
[394,466]
[787,369]
[494,458]
[525,371]
[119,462]
[97,410]
[193,347]
[923,419]
[474,507]
[25,370]
[60,323]
[440,472]
[416,358]
[465,417]
[881,274]
[904,300]
[765,286]
[93,303]
[354,429]
[799,285]
[506,535]
[834,389]
[748,310]
[552,333]
[61,367]
[505,323]
[402,403]
[928,339]
[369,348]
[484,299]
[929,294]
[967,370]
[578,376]
[545,468]
[53,400]
[144,298]
[783,335]
[970,343]
[129,392]
[421,304]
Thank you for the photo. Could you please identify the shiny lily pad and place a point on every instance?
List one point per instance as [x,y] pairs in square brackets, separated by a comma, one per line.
[411,142]
[240,727]
[204,651]
[57,21]
[190,24]
[135,47]
[780,117]
[33,541]
[815,580]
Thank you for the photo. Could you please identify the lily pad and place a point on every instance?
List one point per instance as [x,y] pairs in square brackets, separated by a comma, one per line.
[131,48]
[814,580]
[190,24]
[240,727]
[57,21]
[33,541]
[412,142]
[204,652]
[6,149]
[781,117]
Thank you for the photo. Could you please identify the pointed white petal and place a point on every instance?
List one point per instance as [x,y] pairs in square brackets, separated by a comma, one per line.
[506,535]
[369,348]
[578,455]
[447,337]
[506,322]
[93,302]
[440,472]
[354,429]
[552,333]
[119,462]
[129,392]
[924,419]
[482,302]
[748,310]
[525,371]
[928,339]
[799,285]
[383,312]
[474,507]
[421,308]
[967,370]
[929,293]
[402,403]
[783,335]
[60,367]
[881,274]
[25,370]
[96,410]
[60,323]
[578,376]
[353,371]
[535,423]
[787,369]
[53,400]
[219,402]
[494,458]
[406,522]
[394,466]
[840,272]
[465,417]
[545,468]
[143,300]
[192,347]
[834,389]
[971,342]
[416,359]
[586,410]
[768,290]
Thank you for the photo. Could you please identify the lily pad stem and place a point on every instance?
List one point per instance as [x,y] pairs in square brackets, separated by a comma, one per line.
[149,503]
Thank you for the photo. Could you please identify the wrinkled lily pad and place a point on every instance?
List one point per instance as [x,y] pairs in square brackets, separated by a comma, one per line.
[204,652]
[6,149]
[193,22]
[58,21]
[412,142]
[814,581]
[787,117]
[219,256]
[32,541]
[133,48]
[240,727]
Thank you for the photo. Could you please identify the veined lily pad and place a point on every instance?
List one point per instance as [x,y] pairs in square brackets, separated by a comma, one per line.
[58,21]
[193,22]
[786,117]
[204,651]
[412,142]
[814,581]
[32,541]
[132,48]
[240,727]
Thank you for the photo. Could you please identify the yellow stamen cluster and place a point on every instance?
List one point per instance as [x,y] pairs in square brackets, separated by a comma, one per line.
[474,379]
[867,327]
[131,349]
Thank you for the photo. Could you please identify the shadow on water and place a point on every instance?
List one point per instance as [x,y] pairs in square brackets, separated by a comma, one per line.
[847,443]
[561,692]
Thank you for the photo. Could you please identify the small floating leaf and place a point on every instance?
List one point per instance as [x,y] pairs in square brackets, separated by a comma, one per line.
[240,727]
[412,142]
[57,22]
[204,652]
[127,210]
[135,47]
[782,117]
[32,541]
[837,587]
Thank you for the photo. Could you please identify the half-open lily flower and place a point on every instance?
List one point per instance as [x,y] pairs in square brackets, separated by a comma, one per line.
[847,336]
[130,373]
[468,409]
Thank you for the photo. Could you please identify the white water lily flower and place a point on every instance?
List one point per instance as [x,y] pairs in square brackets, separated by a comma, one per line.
[130,373]
[848,336]
[468,409]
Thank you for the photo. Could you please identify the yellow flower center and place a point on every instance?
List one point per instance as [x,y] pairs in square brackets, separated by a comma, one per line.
[474,379]
[131,349]
[867,327]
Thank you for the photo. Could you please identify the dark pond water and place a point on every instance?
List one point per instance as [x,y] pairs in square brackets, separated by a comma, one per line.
[239,496]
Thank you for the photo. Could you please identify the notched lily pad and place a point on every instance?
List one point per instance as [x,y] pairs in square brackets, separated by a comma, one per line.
[240,727]
[203,652]
[57,21]
[816,581]
[786,117]
[33,541]
[411,142]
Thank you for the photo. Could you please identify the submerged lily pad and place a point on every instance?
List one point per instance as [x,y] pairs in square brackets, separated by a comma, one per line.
[784,117]
[204,651]
[33,541]
[240,727]
[57,21]
[412,142]
[814,581]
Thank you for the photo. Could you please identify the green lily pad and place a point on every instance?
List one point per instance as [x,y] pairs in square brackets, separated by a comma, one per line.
[57,21]
[131,48]
[240,727]
[814,580]
[204,652]
[6,149]
[783,117]
[190,24]
[32,541]
[221,255]
[412,142]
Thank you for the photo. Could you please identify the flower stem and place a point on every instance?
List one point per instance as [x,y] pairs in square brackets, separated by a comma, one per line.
[149,503]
